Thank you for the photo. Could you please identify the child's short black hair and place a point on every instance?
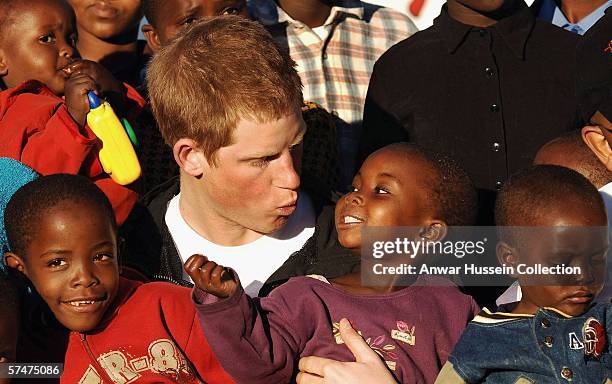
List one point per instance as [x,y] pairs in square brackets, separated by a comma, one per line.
[34,199]
[150,8]
[530,194]
[576,155]
[452,193]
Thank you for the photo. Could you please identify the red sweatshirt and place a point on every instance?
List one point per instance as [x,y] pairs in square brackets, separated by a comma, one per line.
[152,336]
[36,129]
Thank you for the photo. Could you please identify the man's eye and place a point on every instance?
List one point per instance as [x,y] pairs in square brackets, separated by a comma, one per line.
[261,163]
[56,263]
[381,190]
[47,39]
[353,189]
[230,11]
[188,20]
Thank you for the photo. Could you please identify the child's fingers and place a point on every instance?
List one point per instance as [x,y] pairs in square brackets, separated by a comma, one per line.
[204,274]
[194,268]
[194,262]
[216,274]
[83,83]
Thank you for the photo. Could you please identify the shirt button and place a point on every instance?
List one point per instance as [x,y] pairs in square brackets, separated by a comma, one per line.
[548,341]
[495,147]
[494,108]
[489,71]
[567,373]
[498,185]
[545,323]
[482,32]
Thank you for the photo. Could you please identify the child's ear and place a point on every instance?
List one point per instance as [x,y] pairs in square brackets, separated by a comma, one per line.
[12,260]
[434,231]
[507,256]
[3,64]
[594,138]
[152,37]
[189,157]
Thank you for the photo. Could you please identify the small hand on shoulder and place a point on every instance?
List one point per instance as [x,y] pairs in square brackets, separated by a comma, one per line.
[211,277]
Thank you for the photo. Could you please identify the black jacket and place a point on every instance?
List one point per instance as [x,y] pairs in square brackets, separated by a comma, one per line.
[149,247]
[488,97]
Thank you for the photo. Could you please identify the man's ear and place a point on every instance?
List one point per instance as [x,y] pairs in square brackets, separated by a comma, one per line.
[507,256]
[152,37]
[14,261]
[434,231]
[189,157]
[597,143]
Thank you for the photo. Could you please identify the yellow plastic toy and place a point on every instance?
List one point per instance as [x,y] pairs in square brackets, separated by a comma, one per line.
[117,155]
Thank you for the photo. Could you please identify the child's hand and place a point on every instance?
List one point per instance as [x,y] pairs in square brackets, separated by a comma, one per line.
[106,81]
[108,87]
[75,93]
[210,277]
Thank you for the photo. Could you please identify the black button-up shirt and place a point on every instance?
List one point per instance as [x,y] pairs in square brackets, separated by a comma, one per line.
[488,97]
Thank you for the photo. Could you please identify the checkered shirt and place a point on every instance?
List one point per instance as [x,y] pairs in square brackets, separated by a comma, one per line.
[336,71]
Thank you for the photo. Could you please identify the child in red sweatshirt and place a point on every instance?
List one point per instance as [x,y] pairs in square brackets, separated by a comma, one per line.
[62,236]
[43,112]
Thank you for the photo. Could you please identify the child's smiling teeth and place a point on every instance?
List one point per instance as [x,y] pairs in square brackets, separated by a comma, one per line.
[351,220]
[79,303]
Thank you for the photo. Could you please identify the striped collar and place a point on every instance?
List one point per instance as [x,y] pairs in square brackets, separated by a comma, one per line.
[269,13]
[488,317]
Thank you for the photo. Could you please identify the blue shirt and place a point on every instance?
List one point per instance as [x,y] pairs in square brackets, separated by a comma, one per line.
[551,12]
[545,348]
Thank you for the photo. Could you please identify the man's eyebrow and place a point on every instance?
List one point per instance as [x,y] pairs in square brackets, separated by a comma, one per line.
[260,155]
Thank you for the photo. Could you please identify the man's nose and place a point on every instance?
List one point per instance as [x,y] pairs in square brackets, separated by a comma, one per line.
[287,176]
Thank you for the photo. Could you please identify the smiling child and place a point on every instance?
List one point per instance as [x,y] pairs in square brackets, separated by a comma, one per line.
[414,327]
[62,236]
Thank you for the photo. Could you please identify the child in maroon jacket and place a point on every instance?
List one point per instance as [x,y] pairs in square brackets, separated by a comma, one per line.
[412,328]
[62,236]
[43,112]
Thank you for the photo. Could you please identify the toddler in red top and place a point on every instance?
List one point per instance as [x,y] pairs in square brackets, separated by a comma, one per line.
[43,106]
[61,233]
